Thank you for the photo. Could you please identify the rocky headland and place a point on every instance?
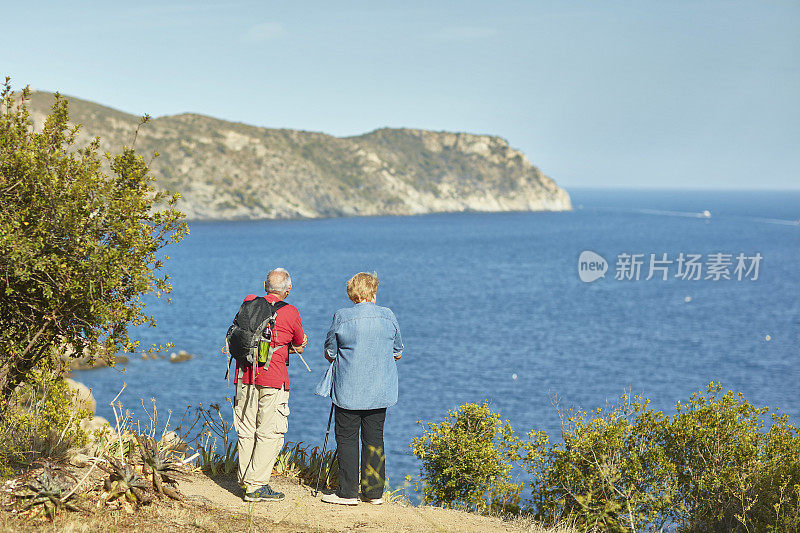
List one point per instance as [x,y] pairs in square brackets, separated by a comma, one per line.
[225,170]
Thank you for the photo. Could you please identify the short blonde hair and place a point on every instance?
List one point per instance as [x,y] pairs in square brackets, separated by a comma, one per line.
[362,287]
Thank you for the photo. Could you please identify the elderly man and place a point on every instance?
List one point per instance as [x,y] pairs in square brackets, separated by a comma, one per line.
[261,407]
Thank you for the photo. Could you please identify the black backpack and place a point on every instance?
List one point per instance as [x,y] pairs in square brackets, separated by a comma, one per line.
[253,323]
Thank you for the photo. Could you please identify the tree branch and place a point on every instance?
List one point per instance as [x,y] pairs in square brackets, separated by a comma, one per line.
[35,338]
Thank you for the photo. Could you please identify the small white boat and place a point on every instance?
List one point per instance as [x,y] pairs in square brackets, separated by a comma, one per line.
[706,213]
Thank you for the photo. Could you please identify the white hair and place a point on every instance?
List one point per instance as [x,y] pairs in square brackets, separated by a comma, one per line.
[278,280]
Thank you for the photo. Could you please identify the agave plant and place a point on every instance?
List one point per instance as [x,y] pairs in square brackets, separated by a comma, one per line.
[217,463]
[160,457]
[289,461]
[163,464]
[124,482]
[49,492]
[327,464]
[306,463]
[281,466]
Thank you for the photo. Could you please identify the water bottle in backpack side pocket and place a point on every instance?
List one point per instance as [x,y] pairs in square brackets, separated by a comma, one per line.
[265,348]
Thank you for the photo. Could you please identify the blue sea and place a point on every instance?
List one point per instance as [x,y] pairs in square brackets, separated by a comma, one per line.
[491,307]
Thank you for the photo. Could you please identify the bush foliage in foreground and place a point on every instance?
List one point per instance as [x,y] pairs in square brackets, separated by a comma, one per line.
[78,244]
[467,460]
[710,466]
[41,420]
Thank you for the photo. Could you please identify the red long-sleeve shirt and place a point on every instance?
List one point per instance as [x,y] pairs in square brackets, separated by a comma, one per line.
[288,329]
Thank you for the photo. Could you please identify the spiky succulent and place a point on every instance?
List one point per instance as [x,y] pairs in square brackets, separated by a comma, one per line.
[160,457]
[124,482]
[48,491]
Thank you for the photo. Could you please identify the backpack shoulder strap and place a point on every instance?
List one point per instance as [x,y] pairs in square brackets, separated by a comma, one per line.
[272,308]
[275,306]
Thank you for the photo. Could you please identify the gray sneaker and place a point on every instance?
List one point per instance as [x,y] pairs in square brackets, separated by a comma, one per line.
[333,498]
[264,494]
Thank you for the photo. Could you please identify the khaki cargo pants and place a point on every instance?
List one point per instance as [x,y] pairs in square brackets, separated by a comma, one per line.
[260,416]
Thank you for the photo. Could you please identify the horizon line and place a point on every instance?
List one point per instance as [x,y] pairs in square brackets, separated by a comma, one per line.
[659,188]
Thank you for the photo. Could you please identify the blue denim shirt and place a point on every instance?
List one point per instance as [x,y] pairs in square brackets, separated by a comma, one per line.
[364,339]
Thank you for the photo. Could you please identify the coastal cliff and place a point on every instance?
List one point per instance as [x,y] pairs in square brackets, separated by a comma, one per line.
[226,170]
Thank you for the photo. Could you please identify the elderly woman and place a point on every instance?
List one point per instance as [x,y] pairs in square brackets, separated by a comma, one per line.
[364,343]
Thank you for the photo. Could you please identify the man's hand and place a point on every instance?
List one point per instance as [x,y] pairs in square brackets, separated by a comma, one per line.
[398,355]
[299,349]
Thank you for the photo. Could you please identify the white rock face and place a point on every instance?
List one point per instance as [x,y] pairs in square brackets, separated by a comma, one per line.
[83,396]
[173,441]
[90,425]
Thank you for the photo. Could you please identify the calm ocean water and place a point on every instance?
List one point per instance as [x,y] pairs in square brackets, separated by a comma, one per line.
[491,307]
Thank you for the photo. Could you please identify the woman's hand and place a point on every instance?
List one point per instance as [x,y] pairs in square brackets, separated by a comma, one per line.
[325,354]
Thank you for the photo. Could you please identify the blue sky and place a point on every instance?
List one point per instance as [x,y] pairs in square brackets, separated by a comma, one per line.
[653,94]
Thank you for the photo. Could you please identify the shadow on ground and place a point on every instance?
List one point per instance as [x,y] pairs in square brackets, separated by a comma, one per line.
[227,483]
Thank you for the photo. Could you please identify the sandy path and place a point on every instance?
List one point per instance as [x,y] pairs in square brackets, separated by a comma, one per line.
[300,511]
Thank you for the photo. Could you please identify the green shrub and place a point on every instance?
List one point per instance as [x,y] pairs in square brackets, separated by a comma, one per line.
[606,473]
[40,421]
[467,461]
[730,474]
[709,467]
[777,484]
[79,244]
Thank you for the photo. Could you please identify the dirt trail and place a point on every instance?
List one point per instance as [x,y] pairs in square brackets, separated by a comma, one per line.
[300,511]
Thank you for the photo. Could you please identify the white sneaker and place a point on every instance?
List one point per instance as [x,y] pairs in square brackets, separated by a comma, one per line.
[373,501]
[333,498]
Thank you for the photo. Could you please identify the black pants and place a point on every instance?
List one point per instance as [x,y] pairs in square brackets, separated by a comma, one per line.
[373,461]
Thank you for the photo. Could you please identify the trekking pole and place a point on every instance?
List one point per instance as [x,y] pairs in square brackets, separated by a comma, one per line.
[292,349]
[304,361]
[322,457]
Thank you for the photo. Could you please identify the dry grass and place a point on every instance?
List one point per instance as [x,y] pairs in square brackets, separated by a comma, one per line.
[215,504]
[163,516]
[169,515]
[209,502]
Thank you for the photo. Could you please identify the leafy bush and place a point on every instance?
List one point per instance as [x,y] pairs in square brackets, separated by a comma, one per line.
[40,421]
[709,467]
[730,474]
[607,471]
[467,460]
[78,245]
